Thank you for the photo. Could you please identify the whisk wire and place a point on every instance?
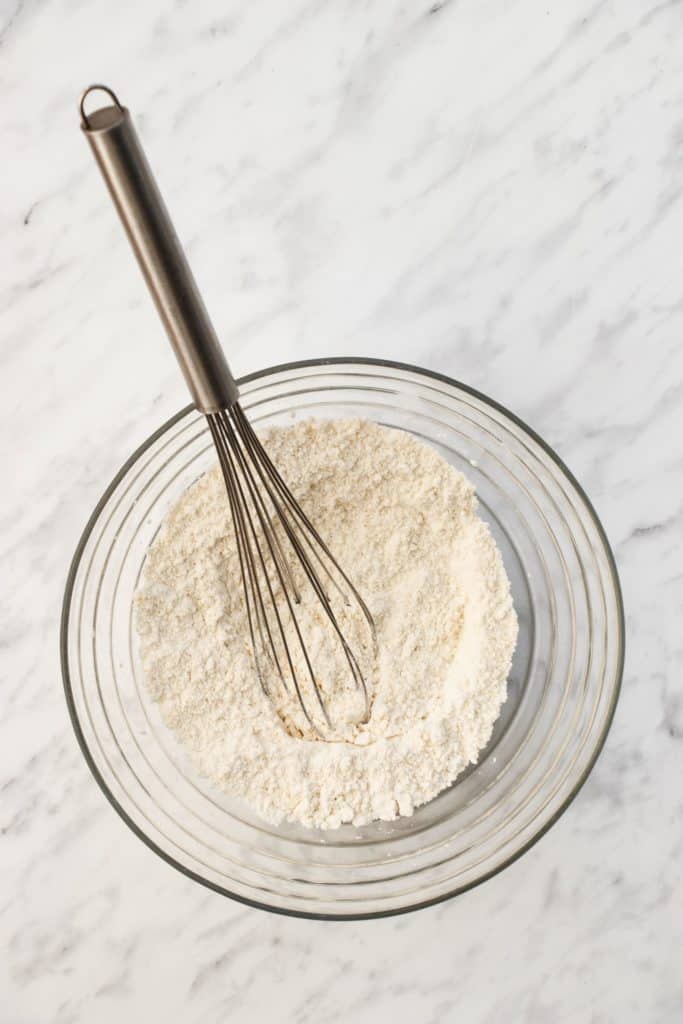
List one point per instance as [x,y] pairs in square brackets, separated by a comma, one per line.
[231,446]
[245,530]
[258,455]
[318,588]
[268,534]
[258,496]
[254,448]
[247,430]
[250,590]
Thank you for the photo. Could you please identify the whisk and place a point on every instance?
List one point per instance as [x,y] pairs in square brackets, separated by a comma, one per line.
[275,539]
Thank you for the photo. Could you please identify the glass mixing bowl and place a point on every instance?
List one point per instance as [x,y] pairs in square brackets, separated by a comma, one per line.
[562,690]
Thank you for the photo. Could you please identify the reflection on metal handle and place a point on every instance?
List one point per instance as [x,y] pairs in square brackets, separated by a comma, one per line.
[120,157]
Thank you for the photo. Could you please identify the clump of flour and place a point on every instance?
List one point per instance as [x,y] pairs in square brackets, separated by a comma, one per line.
[403,524]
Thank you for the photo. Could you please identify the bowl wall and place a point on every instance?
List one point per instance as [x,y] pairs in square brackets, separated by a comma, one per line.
[562,689]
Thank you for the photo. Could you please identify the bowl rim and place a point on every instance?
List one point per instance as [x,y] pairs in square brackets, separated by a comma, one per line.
[133,458]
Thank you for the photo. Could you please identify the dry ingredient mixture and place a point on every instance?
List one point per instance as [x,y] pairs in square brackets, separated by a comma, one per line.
[404,526]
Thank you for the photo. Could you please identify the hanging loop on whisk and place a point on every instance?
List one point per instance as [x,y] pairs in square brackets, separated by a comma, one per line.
[97,87]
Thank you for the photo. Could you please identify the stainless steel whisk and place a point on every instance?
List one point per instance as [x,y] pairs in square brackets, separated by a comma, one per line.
[273,534]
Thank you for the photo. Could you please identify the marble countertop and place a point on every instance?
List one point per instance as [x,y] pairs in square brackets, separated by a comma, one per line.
[493,190]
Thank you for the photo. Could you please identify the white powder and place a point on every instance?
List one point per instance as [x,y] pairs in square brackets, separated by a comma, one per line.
[403,525]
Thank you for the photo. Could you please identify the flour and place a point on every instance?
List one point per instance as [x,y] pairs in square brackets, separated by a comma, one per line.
[404,526]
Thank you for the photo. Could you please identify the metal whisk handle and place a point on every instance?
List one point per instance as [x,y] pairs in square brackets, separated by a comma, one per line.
[130,181]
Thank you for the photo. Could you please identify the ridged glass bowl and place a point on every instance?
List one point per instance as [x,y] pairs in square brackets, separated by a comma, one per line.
[562,689]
